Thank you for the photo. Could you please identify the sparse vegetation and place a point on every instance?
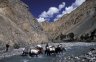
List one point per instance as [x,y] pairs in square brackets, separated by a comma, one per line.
[71,36]
[60,37]
[16,46]
[89,36]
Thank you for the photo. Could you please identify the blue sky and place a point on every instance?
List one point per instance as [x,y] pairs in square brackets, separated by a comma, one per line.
[51,10]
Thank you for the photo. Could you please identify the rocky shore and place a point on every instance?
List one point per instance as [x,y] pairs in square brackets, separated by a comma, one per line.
[10,53]
[89,57]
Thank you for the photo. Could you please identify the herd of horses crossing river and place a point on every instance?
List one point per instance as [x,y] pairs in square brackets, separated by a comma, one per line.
[48,50]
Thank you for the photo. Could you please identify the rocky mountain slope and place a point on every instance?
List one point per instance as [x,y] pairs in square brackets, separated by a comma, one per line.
[17,25]
[80,21]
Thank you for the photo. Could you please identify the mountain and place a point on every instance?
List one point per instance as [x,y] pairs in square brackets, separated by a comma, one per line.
[17,25]
[80,21]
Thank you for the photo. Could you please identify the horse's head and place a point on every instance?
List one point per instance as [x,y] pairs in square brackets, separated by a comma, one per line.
[60,45]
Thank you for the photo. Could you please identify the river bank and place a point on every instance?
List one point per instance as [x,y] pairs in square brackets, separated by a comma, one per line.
[20,50]
[10,53]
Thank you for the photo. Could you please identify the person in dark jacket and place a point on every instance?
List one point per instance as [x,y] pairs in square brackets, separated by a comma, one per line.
[7,47]
[46,46]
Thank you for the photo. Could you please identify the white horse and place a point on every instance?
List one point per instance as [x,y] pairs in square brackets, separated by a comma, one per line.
[40,48]
[34,52]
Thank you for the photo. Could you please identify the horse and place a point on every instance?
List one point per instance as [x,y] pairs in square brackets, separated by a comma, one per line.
[36,51]
[40,48]
[59,49]
[50,50]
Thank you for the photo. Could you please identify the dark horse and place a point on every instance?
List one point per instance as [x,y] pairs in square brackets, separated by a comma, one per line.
[59,49]
[50,50]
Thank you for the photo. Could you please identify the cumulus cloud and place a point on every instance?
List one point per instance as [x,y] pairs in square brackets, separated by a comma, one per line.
[46,15]
[79,2]
[61,6]
[50,12]
[41,19]
[70,8]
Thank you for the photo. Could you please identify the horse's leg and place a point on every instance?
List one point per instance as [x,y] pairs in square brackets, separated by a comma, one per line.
[49,53]
[45,52]
[36,55]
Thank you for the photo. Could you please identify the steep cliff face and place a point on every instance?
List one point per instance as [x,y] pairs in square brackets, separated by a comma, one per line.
[17,25]
[80,21]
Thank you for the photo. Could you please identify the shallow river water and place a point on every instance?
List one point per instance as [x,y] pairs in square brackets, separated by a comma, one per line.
[68,56]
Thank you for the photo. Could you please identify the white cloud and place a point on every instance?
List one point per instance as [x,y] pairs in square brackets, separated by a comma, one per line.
[61,6]
[58,16]
[41,19]
[51,11]
[70,8]
[79,2]
[43,14]
[47,15]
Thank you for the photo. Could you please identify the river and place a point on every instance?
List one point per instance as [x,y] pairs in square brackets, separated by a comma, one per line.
[74,50]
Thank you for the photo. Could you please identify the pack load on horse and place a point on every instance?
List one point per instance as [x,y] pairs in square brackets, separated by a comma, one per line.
[50,50]
[36,51]
[40,48]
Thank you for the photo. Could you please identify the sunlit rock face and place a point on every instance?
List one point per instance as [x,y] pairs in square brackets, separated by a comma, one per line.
[80,21]
[17,25]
